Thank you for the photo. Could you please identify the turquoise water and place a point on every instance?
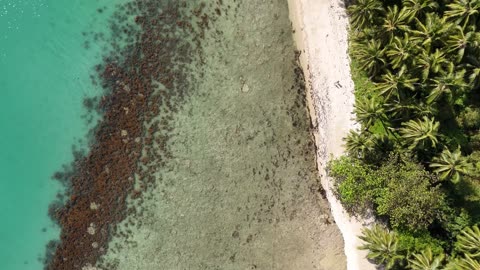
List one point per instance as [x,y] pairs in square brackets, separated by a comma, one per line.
[237,191]
[44,77]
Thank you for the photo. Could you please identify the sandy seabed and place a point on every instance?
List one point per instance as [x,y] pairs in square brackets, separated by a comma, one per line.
[207,159]
[240,188]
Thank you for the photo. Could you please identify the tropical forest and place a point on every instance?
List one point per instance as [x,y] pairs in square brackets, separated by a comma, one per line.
[413,163]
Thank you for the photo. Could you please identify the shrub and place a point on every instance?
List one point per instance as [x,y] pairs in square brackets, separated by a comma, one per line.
[398,189]
[355,184]
[469,118]
[409,200]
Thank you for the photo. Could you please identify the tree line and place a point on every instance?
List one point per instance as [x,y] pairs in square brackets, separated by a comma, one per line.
[415,161]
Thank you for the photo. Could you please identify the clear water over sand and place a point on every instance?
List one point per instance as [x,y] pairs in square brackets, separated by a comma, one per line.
[241,188]
[45,74]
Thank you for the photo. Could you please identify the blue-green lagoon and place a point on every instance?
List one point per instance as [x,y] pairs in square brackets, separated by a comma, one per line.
[211,147]
[45,74]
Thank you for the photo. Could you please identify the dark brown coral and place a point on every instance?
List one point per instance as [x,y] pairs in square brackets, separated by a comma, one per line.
[102,180]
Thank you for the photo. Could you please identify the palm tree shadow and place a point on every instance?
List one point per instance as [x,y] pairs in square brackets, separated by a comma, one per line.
[346,3]
[467,196]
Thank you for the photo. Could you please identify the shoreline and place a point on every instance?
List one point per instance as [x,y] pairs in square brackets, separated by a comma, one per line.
[160,186]
[271,215]
[320,33]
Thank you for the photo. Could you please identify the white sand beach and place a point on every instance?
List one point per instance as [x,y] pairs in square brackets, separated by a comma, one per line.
[320,31]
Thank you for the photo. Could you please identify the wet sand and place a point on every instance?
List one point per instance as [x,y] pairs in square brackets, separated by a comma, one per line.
[322,37]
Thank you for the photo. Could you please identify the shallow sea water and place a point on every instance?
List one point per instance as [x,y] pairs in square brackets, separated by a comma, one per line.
[240,190]
[45,74]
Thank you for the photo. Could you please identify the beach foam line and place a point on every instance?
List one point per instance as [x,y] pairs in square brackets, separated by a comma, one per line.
[320,32]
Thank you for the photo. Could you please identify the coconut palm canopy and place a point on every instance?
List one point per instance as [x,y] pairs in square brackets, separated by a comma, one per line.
[426,261]
[450,165]
[382,246]
[416,69]
[421,61]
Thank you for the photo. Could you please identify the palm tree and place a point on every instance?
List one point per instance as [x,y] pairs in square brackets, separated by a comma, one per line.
[392,84]
[401,50]
[431,63]
[474,78]
[462,11]
[358,144]
[364,12]
[426,261]
[468,241]
[472,65]
[467,263]
[451,84]
[369,110]
[382,246]
[371,56]
[400,109]
[396,21]
[459,41]
[421,132]
[473,69]
[419,7]
[382,142]
[421,109]
[450,165]
[403,110]
[432,31]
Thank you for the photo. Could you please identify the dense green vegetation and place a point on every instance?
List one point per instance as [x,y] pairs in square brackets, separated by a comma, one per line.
[389,249]
[415,161]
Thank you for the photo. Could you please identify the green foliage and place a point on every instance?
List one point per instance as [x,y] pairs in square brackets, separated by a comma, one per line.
[469,119]
[408,199]
[420,133]
[370,56]
[416,69]
[382,246]
[431,31]
[457,221]
[426,261]
[396,21]
[358,144]
[419,7]
[468,241]
[363,86]
[449,86]
[450,165]
[474,160]
[475,141]
[458,41]
[418,242]
[466,263]
[364,12]
[394,85]
[431,63]
[398,189]
[356,184]
[368,111]
[462,11]
[465,196]
[401,51]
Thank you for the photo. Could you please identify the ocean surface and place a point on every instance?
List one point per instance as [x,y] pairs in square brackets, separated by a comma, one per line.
[45,74]
[238,188]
